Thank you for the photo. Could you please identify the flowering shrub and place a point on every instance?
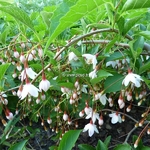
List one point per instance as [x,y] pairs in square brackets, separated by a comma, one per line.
[73,60]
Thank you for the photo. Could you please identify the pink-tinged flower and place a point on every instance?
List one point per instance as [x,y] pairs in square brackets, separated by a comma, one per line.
[19,91]
[90,59]
[93,74]
[93,115]
[115,117]
[44,84]
[81,114]
[87,110]
[40,51]
[16,54]
[22,58]
[23,45]
[27,72]
[29,89]
[129,96]
[72,57]
[134,78]
[8,114]
[90,127]
[65,116]
[30,57]
[49,120]
[101,121]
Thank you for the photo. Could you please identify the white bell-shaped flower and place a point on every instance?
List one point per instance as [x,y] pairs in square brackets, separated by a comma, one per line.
[90,59]
[90,127]
[115,117]
[134,78]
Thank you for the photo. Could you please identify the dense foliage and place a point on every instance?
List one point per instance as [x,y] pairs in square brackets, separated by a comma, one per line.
[64,60]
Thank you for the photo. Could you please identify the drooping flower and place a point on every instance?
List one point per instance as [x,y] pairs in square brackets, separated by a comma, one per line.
[93,115]
[134,78]
[72,57]
[16,54]
[65,116]
[90,59]
[115,117]
[44,84]
[27,72]
[93,74]
[9,115]
[90,127]
[87,110]
[111,63]
[102,97]
[29,89]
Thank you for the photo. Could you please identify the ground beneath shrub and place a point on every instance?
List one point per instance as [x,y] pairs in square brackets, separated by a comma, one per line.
[42,139]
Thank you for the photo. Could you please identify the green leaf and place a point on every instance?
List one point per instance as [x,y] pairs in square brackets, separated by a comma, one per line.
[18,14]
[146,34]
[100,76]
[120,24]
[66,16]
[3,36]
[114,83]
[110,45]
[69,139]
[3,69]
[19,146]
[101,146]
[139,43]
[123,147]
[135,4]
[86,147]
[66,84]
[144,68]
[107,141]
[130,23]
[53,148]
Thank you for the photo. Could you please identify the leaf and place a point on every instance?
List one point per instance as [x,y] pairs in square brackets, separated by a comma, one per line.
[107,141]
[101,146]
[69,139]
[3,69]
[19,146]
[65,18]
[139,43]
[123,147]
[3,36]
[146,34]
[114,83]
[53,148]
[120,24]
[66,84]
[130,23]
[135,4]
[18,14]
[110,45]
[100,76]
[86,147]
[144,68]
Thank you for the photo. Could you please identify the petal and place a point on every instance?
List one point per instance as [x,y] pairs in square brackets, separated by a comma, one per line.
[114,119]
[31,73]
[33,90]
[86,128]
[91,130]
[24,92]
[103,99]
[95,129]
